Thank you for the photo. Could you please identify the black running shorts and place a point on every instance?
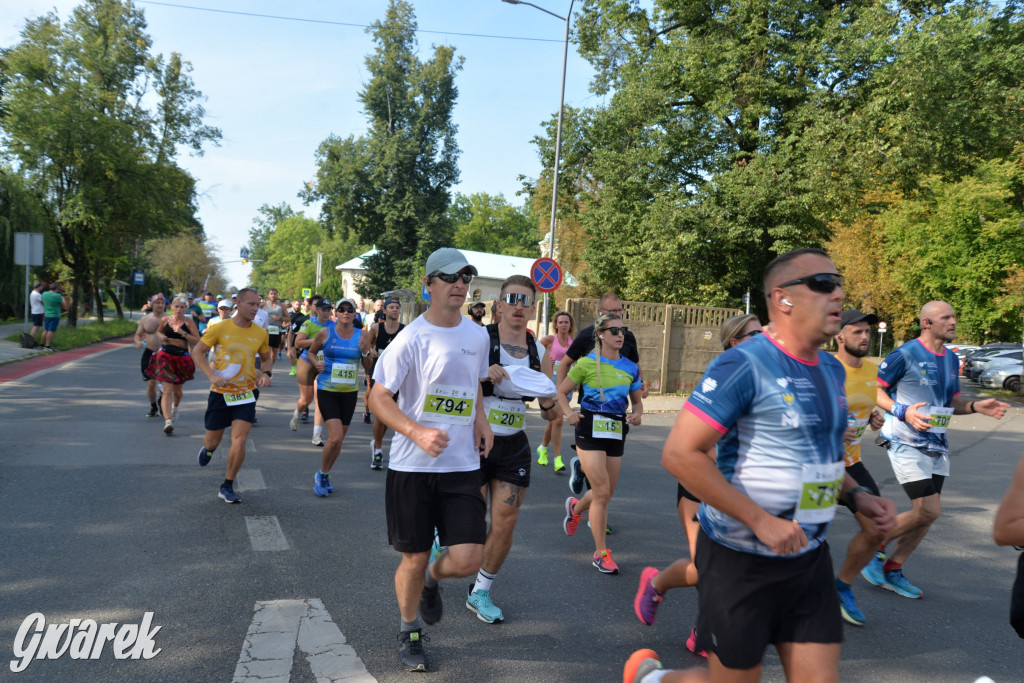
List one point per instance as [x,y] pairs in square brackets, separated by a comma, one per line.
[337,405]
[863,478]
[509,460]
[417,502]
[585,440]
[747,602]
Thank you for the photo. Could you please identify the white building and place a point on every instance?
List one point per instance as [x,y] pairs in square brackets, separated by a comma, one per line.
[493,269]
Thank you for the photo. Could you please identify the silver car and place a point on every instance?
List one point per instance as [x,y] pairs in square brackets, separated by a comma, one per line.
[1002,377]
[998,358]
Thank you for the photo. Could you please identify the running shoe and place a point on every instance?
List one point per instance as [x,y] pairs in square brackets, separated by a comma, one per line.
[848,606]
[572,520]
[291,373]
[153,411]
[321,484]
[480,602]
[542,456]
[898,584]
[228,495]
[204,456]
[639,664]
[410,652]
[367,419]
[431,607]
[576,476]
[607,528]
[873,573]
[436,548]
[647,599]
[305,414]
[559,465]
[174,414]
[318,440]
[604,562]
[168,427]
[294,422]
[377,462]
[691,644]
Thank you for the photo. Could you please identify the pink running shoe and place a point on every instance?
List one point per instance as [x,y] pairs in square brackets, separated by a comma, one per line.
[691,644]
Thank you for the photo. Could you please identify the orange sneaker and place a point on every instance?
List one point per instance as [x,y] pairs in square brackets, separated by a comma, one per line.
[639,664]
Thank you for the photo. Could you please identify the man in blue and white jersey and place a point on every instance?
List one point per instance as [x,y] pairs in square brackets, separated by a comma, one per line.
[775,410]
[919,388]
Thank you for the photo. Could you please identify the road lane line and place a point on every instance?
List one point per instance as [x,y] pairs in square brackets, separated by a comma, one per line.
[265,533]
[279,627]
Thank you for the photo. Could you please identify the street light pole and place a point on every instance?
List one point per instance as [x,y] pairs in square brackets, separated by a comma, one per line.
[558,138]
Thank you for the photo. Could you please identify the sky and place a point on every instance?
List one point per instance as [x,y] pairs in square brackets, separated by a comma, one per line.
[277,87]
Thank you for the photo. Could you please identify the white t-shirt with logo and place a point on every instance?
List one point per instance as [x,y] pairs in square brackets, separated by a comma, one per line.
[436,372]
[503,402]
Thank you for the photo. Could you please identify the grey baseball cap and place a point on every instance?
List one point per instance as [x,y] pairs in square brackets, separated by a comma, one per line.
[854,316]
[448,260]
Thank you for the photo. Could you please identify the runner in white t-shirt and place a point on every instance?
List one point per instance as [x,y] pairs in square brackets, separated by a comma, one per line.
[433,478]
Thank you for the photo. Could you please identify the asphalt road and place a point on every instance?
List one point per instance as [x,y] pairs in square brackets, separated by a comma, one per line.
[104,517]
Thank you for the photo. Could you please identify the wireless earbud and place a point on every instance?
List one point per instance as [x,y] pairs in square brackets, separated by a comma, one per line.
[787,302]
[600,336]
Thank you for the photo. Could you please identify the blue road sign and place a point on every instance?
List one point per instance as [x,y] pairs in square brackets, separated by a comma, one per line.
[138,277]
[546,274]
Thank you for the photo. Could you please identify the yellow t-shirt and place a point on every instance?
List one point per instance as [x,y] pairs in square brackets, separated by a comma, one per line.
[861,384]
[235,350]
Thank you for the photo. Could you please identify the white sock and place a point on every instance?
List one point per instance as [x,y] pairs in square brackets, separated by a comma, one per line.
[655,676]
[295,413]
[317,430]
[483,581]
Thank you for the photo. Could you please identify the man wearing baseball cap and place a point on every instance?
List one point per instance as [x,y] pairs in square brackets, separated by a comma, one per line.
[854,340]
[477,311]
[433,478]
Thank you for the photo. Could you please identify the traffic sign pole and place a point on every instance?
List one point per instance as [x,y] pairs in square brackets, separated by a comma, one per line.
[546,275]
[881,334]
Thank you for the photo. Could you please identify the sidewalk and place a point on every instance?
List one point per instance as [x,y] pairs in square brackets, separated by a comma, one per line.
[11,352]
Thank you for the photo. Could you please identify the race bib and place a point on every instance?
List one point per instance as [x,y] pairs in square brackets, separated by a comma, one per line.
[939,417]
[607,428]
[506,417]
[819,493]
[449,404]
[859,426]
[273,329]
[344,374]
[233,400]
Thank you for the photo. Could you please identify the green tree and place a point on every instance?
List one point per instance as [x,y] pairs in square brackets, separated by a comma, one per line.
[95,121]
[391,187]
[186,262]
[263,226]
[19,212]
[488,223]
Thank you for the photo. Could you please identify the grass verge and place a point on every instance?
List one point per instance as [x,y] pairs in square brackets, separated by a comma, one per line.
[67,338]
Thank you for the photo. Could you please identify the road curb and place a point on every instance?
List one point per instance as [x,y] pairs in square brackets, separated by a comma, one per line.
[27,366]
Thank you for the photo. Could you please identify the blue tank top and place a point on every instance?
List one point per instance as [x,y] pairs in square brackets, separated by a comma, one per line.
[341,362]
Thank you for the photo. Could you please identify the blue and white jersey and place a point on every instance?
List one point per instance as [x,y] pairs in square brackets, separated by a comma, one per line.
[912,374]
[782,418]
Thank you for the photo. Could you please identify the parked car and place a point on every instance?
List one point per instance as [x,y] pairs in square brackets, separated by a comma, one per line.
[962,351]
[999,357]
[1002,377]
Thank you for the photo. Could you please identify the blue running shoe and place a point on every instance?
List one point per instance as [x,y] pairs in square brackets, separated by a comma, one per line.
[898,584]
[848,606]
[576,477]
[480,603]
[204,456]
[436,549]
[873,573]
[321,484]
[228,495]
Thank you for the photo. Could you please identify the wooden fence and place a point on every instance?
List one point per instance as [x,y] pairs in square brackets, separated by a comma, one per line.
[676,343]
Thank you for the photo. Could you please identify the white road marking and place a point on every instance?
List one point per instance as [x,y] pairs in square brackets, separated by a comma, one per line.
[279,626]
[250,480]
[265,533]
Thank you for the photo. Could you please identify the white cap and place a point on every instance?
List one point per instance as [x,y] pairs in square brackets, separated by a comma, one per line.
[224,303]
[448,260]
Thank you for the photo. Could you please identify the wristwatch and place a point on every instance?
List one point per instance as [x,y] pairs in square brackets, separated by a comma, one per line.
[268,373]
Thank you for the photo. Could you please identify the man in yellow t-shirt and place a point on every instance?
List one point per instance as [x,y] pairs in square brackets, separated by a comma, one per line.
[234,384]
[861,382]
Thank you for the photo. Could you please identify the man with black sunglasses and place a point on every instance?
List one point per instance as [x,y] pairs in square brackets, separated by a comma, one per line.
[433,481]
[760,441]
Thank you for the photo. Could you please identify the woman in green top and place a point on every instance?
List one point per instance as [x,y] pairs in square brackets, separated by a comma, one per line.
[610,382]
[306,374]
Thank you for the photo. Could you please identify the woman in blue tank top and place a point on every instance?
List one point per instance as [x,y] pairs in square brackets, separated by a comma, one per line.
[337,384]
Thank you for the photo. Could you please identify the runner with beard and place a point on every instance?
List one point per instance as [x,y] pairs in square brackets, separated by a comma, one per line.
[379,337]
[477,311]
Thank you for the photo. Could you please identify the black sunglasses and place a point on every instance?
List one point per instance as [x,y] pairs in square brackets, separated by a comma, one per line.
[748,334]
[822,283]
[345,309]
[452,278]
[615,330]
[513,299]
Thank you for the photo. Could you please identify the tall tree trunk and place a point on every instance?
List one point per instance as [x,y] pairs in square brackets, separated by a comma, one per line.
[113,297]
[97,297]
